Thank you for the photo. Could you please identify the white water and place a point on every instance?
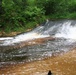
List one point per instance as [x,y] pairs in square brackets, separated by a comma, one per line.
[65,40]
[59,29]
[67,31]
[6,38]
[21,38]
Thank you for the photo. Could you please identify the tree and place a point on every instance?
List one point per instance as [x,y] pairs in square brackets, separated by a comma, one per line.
[1,9]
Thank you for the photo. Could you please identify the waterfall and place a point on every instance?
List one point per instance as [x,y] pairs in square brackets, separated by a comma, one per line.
[58,29]
[64,32]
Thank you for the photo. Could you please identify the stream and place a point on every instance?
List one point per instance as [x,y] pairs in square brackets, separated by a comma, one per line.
[64,32]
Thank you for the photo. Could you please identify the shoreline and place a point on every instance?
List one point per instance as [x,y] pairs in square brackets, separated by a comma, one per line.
[13,33]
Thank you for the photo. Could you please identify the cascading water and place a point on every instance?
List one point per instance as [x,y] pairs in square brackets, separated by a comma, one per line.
[64,31]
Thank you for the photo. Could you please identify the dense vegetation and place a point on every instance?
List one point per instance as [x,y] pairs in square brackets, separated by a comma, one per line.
[23,14]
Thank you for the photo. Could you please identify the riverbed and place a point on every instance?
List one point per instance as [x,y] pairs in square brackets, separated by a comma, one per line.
[61,65]
[51,46]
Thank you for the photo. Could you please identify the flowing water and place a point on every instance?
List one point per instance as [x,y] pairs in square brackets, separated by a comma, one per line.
[64,32]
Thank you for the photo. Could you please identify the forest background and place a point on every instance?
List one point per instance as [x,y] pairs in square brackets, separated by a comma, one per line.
[20,15]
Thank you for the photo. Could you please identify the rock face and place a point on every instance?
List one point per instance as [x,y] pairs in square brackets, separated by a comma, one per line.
[61,65]
[27,43]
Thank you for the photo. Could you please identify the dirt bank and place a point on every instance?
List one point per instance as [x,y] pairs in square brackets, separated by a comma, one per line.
[61,65]
[13,33]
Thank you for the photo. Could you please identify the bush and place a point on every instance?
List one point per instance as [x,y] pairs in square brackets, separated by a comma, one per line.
[72,6]
[18,13]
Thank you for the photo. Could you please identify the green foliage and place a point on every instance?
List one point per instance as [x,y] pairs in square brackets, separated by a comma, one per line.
[12,16]
[17,14]
[33,13]
[30,25]
[72,6]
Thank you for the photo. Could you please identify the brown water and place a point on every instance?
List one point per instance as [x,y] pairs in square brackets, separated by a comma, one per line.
[61,65]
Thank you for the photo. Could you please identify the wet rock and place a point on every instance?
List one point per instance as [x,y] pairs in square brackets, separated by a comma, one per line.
[26,43]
